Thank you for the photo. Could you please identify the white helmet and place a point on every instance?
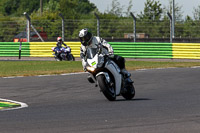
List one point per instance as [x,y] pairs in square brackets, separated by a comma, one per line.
[85,36]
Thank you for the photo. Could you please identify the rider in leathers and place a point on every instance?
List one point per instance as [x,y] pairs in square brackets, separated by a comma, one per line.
[59,46]
[90,41]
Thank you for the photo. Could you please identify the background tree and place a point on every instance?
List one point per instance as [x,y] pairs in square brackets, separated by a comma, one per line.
[194,25]
[179,22]
[188,27]
[178,10]
[149,19]
[116,9]
[196,13]
[130,5]
[18,7]
[152,10]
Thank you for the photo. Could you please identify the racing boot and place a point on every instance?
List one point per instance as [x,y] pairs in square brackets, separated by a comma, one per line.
[126,80]
[125,73]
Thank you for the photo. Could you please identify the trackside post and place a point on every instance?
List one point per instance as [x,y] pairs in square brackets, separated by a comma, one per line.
[20,47]
[98,25]
[134,27]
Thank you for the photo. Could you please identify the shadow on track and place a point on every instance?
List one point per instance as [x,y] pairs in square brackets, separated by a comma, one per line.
[135,99]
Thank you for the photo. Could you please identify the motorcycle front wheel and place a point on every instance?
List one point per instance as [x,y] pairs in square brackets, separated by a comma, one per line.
[106,88]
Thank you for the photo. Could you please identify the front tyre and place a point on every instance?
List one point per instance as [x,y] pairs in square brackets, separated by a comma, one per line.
[107,89]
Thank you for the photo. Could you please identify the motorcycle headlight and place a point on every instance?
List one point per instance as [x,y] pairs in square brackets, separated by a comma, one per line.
[90,68]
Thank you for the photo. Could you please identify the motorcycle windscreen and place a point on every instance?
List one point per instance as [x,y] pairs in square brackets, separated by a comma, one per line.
[91,52]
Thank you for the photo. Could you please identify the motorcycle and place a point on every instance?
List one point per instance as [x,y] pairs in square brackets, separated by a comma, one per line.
[106,74]
[63,54]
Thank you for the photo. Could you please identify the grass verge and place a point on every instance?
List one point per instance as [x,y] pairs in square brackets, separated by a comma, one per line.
[31,68]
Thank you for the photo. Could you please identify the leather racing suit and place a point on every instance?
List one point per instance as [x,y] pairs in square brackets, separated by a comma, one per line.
[94,44]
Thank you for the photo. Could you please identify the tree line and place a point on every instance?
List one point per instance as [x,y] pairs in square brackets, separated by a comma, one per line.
[153,20]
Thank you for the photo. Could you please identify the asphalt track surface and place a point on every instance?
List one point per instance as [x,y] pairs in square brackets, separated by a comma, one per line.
[166,101]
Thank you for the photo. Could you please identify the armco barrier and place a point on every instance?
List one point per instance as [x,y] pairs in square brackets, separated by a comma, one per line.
[186,50]
[12,49]
[142,50]
[43,49]
[125,49]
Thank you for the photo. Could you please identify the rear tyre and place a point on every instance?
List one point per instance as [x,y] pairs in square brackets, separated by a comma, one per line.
[129,92]
[106,88]
[70,57]
[73,59]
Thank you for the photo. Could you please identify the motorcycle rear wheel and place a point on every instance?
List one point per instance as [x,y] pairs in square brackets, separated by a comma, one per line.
[130,92]
[108,91]
[70,57]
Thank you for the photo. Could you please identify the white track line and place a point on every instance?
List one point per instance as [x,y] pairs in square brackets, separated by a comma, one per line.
[165,68]
[44,75]
[195,67]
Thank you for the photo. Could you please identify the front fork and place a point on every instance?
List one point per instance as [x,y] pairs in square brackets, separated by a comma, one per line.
[92,79]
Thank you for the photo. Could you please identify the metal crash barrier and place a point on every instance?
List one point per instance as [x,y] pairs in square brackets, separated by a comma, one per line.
[125,49]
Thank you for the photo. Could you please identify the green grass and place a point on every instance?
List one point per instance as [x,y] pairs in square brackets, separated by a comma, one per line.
[30,68]
[133,65]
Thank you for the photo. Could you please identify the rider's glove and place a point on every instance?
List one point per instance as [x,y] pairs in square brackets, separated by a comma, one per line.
[99,47]
[84,69]
[111,53]
[84,64]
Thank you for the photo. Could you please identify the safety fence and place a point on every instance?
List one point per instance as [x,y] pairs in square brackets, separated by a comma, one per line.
[125,49]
